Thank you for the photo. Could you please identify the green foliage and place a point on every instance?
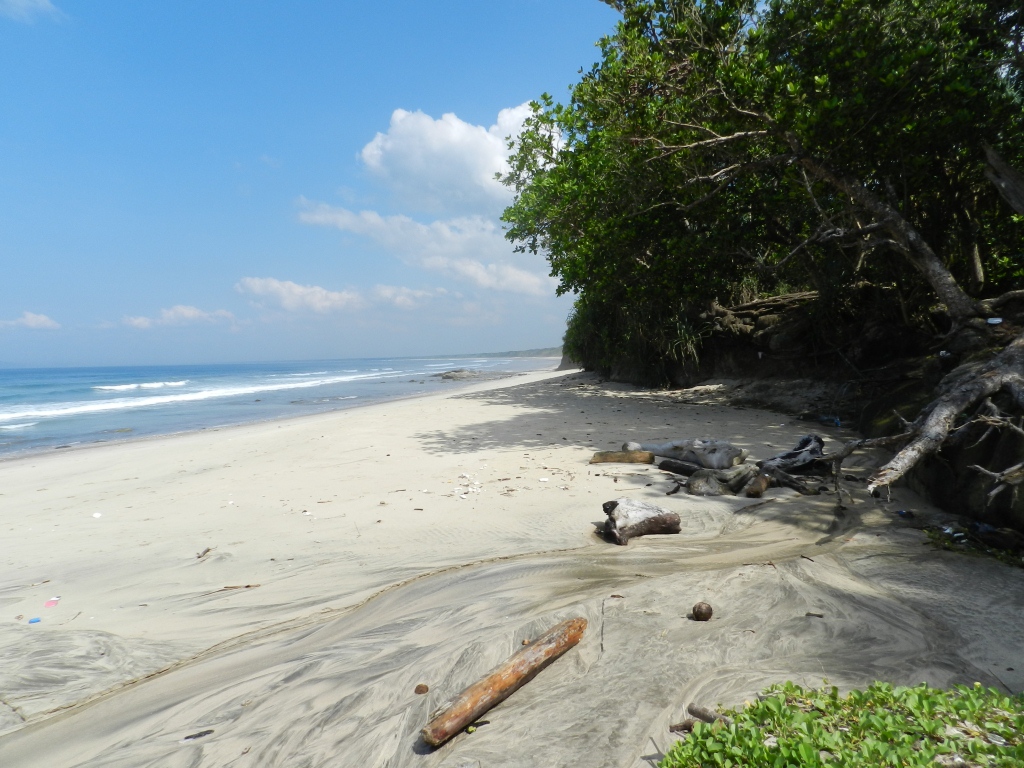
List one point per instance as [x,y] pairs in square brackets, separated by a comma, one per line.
[691,162]
[958,539]
[881,726]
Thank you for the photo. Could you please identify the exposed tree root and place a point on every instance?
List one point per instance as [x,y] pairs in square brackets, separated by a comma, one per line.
[965,387]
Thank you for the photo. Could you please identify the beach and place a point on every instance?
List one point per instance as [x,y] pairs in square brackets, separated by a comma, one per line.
[286,585]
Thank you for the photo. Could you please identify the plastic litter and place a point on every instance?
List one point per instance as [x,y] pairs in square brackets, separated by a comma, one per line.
[97,514]
[905,513]
[36,620]
[51,602]
[994,320]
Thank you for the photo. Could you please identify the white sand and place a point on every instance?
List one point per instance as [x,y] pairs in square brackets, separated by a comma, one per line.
[419,542]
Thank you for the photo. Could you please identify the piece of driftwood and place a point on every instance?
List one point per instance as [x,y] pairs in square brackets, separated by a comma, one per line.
[808,452]
[710,454]
[757,485]
[719,482]
[501,683]
[628,518]
[684,727]
[622,457]
[786,480]
[707,715]
[679,467]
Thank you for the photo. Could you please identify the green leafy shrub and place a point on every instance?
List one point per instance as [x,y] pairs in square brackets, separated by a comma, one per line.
[881,726]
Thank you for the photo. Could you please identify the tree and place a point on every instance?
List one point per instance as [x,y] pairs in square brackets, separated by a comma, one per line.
[817,143]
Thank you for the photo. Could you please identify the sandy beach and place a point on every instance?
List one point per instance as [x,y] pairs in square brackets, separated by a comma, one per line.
[287,585]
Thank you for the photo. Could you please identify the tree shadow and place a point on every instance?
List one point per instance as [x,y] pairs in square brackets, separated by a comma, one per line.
[579,410]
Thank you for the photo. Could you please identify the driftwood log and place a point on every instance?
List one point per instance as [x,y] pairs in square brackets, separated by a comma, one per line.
[719,482]
[628,519]
[710,454]
[520,669]
[679,467]
[757,486]
[622,457]
[809,452]
[707,715]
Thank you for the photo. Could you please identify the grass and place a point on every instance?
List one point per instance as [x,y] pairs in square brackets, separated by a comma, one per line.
[880,726]
[961,540]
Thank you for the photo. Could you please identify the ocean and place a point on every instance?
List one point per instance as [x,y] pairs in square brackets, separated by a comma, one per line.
[46,409]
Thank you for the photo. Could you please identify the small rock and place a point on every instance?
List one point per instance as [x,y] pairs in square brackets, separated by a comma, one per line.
[702,612]
[421,688]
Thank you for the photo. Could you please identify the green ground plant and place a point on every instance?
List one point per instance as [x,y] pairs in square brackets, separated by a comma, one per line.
[882,726]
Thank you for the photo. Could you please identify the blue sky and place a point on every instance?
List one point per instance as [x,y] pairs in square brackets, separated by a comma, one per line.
[186,181]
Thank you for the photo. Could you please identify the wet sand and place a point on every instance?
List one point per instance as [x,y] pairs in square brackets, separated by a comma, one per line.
[421,541]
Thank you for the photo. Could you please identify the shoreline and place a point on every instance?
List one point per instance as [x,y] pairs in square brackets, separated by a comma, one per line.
[286,586]
[455,386]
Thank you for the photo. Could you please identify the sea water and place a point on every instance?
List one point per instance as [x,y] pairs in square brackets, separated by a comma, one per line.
[57,408]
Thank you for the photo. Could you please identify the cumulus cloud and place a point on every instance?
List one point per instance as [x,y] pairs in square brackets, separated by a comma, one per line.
[28,10]
[31,320]
[469,248]
[180,314]
[445,164]
[294,297]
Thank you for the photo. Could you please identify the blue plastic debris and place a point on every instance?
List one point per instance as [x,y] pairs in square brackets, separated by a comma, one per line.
[34,621]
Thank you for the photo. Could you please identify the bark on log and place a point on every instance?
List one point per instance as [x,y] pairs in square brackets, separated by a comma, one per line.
[622,457]
[520,669]
[711,454]
[628,519]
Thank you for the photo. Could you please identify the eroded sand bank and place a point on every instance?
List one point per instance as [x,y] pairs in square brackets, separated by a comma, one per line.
[421,542]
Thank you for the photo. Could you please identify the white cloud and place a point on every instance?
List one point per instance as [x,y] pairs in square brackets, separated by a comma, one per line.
[31,320]
[294,297]
[180,314]
[404,298]
[445,165]
[28,10]
[469,248]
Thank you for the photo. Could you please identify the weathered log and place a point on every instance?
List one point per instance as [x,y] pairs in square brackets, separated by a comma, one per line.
[788,481]
[710,454]
[501,683]
[628,519]
[808,452]
[679,467]
[719,482]
[707,715]
[622,457]
[684,727]
[757,486]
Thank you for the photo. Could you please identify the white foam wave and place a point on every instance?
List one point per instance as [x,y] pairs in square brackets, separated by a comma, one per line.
[19,426]
[141,385]
[56,410]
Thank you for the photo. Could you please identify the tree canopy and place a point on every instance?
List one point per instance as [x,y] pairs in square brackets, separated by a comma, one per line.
[725,149]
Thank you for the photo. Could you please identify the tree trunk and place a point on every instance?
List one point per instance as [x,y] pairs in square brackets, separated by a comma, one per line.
[916,249]
[1008,181]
